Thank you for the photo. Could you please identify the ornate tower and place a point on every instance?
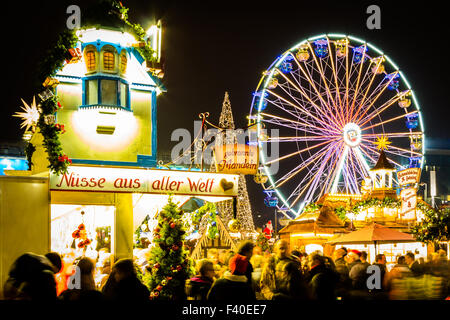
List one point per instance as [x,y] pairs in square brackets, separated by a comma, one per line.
[228,136]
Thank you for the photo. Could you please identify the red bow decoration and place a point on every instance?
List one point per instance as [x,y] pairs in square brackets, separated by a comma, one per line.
[60,127]
[64,158]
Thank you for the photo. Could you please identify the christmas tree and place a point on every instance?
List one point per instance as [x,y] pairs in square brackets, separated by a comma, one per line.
[169,263]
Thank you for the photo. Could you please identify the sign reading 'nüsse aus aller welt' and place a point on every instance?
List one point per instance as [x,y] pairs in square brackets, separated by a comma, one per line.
[145,181]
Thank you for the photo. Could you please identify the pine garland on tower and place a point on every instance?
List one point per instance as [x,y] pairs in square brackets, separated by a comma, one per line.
[169,263]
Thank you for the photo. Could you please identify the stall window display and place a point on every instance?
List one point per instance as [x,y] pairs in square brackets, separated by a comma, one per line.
[81,230]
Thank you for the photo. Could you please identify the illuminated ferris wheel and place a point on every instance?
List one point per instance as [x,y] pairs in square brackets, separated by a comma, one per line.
[323,104]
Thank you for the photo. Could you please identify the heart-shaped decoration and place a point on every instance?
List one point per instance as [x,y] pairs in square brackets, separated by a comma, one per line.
[226,185]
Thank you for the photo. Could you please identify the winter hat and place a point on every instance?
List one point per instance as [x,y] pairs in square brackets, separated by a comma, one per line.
[238,264]
[354,253]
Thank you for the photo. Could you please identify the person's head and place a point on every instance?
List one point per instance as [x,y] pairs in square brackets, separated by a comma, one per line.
[281,249]
[315,259]
[353,255]
[56,261]
[213,254]
[86,266]
[409,257]
[401,260]
[238,264]
[339,253]
[380,258]
[205,268]
[257,250]
[296,253]
[363,256]
[106,266]
[246,249]
[123,269]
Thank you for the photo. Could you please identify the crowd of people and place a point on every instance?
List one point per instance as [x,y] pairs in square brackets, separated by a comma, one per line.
[245,275]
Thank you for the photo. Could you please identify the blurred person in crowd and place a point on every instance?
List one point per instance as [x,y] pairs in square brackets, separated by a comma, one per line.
[344,282]
[87,289]
[269,279]
[104,273]
[246,249]
[213,255]
[413,265]
[123,283]
[233,286]
[290,283]
[257,262]
[398,272]
[363,258]
[197,287]
[380,262]
[225,257]
[322,279]
[31,277]
[60,277]
[357,274]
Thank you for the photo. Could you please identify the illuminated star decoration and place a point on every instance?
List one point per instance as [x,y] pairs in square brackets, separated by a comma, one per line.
[382,142]
[31,115]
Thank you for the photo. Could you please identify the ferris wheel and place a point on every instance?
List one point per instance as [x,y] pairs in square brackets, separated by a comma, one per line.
[318,111]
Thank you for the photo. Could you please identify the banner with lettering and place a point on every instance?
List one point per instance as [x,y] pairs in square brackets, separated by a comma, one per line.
[236,158]
[145,181]
[409,200]
[408,176]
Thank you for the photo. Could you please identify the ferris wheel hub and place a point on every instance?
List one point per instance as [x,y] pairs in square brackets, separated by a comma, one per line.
[352,134]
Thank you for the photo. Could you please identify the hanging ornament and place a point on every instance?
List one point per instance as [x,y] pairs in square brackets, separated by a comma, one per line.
[74,55]
[50,82]
[172,225]
[234,225]
[45,95]
[49,119]
[60,127]
[31,115]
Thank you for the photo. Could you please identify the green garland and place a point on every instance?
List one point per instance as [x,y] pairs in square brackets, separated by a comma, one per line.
[435,227]
[54,61]
[363,205]
[341,213]
[208,208]
[375,202]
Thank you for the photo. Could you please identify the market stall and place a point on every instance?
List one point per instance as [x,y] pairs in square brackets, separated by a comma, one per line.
[376,239]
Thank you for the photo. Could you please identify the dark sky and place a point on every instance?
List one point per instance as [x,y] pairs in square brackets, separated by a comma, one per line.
[216,46]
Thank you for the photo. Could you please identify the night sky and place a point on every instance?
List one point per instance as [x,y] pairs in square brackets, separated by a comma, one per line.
[214,46]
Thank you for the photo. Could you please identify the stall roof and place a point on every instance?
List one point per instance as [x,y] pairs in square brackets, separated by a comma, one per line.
[374,232]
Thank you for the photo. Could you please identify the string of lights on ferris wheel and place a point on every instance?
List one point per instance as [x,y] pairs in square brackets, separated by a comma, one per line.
[333,93]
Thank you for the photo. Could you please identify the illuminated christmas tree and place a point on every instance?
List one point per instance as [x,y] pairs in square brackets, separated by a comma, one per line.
[244,211]
[169,266]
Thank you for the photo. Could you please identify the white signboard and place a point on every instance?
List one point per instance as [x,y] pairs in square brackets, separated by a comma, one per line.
[237,158]
[408,176]
[145,181]
[409,200]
